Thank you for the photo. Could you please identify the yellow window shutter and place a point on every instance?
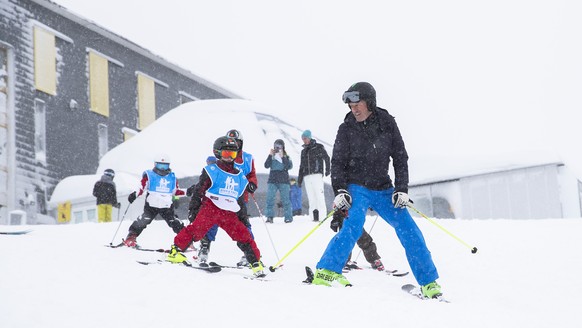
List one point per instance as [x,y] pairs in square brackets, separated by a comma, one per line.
[99,84]
[146,101]
[45,68]
[64,212]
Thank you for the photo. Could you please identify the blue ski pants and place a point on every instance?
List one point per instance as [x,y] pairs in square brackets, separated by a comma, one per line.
[410,236]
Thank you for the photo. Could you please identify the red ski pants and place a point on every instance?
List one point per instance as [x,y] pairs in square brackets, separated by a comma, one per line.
[210,215]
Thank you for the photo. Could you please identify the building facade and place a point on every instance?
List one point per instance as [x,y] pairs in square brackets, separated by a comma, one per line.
[69,91]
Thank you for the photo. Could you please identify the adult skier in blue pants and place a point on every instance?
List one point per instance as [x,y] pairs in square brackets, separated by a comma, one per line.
[366,141]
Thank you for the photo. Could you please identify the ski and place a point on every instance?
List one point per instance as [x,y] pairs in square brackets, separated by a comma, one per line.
[208,269]
[249,277]
[137,248]
[396,273]
[214,264]
[261,278]
[15,233]
[159,250]
[415,291]
[114,246]
[354,266]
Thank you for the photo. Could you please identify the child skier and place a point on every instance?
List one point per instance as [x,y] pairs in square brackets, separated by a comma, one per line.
[218,199]
[160,185]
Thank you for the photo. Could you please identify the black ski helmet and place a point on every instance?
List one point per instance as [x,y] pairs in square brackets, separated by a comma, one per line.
[236,135]
[224,143]
[366,92]
[109,172]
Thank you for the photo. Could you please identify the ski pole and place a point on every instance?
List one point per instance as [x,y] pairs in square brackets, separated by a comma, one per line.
[369,232]
[473,249]
[123,217]
[266,228]
[278,264]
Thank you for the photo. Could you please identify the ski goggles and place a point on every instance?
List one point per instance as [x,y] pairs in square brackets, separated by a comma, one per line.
[228,153]
[162,166]
[351,97]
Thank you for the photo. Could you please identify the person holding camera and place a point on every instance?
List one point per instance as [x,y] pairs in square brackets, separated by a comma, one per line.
[280,163]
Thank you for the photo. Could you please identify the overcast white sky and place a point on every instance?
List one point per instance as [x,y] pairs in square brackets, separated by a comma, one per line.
[461,77]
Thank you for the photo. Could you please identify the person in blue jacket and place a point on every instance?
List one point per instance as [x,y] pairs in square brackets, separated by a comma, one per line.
[295,194]
[365,142]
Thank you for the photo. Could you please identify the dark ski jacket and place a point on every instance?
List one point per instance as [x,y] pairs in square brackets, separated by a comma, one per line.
[279,172]
[313,157]
[362,152]
[105,191]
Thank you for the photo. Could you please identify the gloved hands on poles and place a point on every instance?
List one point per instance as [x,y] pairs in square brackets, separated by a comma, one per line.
[342,201]
[251,187]
[400,199]
[131,198]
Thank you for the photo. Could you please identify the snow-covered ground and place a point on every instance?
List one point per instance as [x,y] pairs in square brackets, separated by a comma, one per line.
[525,274]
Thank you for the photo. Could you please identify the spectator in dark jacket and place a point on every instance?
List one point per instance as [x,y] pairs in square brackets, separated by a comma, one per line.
[280,163]
[311,169]
[106,193]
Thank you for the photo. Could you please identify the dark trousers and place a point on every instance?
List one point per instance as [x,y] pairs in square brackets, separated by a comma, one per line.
[366,243]
[150,213]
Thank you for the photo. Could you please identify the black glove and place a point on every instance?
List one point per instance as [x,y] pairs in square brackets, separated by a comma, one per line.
[337,221]
[251,187]
[190,190]
[118,205]
[132,197]
[326,173]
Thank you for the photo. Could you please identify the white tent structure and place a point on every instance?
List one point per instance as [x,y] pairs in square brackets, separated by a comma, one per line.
[520,185]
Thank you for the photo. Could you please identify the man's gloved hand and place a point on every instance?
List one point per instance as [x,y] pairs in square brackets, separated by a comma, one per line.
[131,198]
[400,199]
[327,173]
[251,187]
[338,220]
[118,205]
[343,200]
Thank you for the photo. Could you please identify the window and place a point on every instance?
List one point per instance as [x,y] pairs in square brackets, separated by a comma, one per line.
[103,136]
[40,130]
[45,69]
[99,80]
[92,215]
[146,99]
[99,84]
[78,216]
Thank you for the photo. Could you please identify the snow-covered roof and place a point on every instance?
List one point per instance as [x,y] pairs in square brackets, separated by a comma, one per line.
[187,134]
[429,169]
